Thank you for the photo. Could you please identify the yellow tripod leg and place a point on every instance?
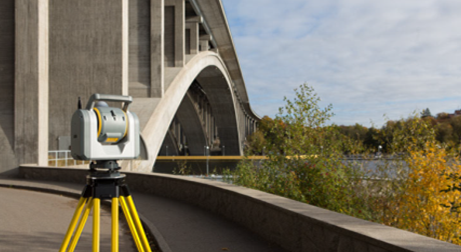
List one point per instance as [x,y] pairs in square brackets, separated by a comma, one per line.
[115,225]
[96,214]
[72,224]
[137,221]
[134,233]
[81,225]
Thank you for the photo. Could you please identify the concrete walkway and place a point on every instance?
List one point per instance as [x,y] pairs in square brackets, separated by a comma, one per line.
[34,221]
[176,226]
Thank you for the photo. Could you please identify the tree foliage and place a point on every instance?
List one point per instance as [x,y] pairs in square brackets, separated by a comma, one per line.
[304,156]
[426,113]
[426,206]
[417,189]
[423,198]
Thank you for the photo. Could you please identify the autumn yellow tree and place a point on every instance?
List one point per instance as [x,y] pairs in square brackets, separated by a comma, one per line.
[421,193]
[428,203]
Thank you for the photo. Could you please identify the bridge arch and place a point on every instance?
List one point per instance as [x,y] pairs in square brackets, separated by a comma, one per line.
[210,71]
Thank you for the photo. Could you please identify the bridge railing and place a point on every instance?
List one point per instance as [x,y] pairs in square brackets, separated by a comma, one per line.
[62,158]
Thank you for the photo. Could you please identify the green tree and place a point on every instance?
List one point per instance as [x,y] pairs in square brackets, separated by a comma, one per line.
[426,113]
[395,136]
[442,117]
[456,125]
[445,133]
[356,132]
[304,157]
[256,143]
[371,140]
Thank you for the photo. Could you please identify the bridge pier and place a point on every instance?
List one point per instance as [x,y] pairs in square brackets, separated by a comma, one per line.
[175,31]
[192,34]
[31,82]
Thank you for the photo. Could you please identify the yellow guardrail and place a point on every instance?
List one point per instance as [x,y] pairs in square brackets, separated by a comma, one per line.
[160,158]
[166,158]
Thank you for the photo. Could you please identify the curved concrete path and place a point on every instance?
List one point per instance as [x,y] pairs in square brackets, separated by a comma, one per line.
[177,226]
[34,221]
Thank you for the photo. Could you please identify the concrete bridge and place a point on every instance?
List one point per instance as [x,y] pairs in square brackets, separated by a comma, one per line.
[175,57]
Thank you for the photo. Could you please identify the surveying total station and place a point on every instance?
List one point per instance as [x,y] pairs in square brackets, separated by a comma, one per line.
[103,135]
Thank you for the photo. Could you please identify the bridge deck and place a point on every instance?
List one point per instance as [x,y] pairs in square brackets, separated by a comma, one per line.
[176,226]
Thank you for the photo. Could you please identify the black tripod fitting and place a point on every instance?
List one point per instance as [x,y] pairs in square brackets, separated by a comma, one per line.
[110,165]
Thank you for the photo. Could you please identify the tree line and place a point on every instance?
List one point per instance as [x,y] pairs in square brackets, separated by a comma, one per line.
[358,139]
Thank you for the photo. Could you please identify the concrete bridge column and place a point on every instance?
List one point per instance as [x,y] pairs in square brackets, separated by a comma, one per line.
[190,117]
[175,27]
[205,42]
[207,122]
[31,82]
[208,128]
[213,128]
[146,25]
[88,54]
[245,120]
[242,122]
[192,28]
[125,46]
[157,47]
[250,123]
[246,126]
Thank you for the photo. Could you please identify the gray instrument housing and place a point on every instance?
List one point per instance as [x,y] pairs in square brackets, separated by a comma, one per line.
[84,133]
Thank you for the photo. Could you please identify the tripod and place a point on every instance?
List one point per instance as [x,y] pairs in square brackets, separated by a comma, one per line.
[100,185]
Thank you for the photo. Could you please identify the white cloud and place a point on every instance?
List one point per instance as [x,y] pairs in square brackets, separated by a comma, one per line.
[367,58]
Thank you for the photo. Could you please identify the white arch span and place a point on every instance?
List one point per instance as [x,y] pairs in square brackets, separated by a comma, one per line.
[160,119]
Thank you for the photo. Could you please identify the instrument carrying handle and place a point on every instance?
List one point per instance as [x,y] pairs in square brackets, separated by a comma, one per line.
[110,98]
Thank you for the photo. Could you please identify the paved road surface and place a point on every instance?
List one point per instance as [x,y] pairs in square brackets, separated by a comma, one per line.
[33,221]
[177,226]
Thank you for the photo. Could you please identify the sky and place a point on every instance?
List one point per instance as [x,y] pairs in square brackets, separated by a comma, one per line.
[373,61]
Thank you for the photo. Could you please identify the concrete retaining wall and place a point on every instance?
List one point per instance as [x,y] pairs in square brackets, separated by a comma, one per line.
[293,225]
